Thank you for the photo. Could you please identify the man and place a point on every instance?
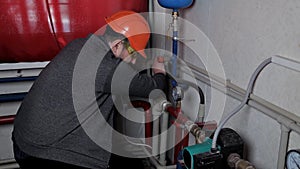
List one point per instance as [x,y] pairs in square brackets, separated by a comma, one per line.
[53,125]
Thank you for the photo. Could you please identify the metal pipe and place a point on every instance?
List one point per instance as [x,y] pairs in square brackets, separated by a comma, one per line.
[195,130]
[234,161]
[198,133]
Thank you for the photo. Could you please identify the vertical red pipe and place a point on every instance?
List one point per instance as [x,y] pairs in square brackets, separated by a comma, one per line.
[148,127]
[148,119]
[178,136]
[182,138]
[185,140]
[181,134]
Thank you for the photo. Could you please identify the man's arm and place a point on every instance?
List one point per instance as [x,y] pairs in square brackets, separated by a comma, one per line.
[142,84]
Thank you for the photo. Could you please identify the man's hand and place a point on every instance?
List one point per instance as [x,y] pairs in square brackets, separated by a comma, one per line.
[158,65]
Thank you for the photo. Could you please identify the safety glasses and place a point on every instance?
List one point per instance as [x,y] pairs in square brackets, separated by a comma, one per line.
[130,50]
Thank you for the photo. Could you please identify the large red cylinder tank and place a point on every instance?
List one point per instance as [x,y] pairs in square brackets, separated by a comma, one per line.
[35,30]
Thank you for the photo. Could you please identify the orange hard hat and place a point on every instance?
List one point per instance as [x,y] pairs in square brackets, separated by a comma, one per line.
[133,26]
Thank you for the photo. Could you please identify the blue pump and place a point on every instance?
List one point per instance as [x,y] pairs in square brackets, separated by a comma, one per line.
[175,4]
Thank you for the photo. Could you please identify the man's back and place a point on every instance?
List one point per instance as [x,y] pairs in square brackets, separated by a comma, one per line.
[47,125]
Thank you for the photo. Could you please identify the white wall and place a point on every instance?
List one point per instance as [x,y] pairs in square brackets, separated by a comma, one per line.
[244,33]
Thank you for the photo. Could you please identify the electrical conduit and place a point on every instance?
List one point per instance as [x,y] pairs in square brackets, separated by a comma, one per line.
[244,102]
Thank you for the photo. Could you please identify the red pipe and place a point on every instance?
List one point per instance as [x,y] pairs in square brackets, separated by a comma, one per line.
[181,134]
[185,140]
[148,127]
[181,139]
[148,119]
[173,111]
[176,113]
[7,119]
[178,136]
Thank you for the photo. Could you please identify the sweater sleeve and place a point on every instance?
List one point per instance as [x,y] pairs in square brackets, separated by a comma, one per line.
[142,84]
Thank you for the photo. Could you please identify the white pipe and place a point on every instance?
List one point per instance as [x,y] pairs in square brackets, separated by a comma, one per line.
[157,111]
[163,137]
[155,133]
[156,164]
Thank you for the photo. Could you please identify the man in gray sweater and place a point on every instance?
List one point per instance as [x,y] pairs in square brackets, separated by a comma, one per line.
[66,119]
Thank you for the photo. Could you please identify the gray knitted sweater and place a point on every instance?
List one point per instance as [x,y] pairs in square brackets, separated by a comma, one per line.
[58,119]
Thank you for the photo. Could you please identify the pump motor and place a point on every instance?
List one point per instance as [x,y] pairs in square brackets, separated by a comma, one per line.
[200,156]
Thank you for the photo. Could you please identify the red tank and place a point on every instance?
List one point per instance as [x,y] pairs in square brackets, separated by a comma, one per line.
[35,30]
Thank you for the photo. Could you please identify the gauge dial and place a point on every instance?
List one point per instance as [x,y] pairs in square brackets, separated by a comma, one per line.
[293,159]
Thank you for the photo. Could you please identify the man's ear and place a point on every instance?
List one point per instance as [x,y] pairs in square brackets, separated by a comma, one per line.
[116,47]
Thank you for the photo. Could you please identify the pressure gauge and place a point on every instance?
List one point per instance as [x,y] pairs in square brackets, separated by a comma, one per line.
[293,159]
